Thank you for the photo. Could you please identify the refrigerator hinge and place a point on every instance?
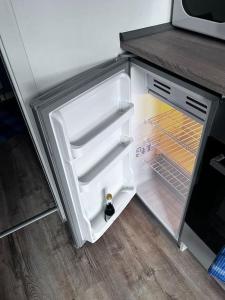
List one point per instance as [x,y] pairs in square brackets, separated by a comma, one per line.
[125,55]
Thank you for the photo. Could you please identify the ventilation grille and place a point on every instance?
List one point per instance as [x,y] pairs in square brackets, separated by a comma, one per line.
[162,86]
[179,95]
[197,105]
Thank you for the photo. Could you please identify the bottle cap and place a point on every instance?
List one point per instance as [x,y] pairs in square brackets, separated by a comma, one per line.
[108,197]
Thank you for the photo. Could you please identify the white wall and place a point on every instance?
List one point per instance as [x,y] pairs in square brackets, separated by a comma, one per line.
[64,37]
[46,41]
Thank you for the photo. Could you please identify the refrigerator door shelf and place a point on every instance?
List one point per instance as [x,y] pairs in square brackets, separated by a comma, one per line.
[90,204]
[105,164]
[120,201]
[97,226]
[102,130]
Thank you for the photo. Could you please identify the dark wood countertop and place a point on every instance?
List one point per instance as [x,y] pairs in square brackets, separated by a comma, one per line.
[195,57]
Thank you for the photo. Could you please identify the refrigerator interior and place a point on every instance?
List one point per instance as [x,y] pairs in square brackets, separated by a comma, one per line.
[166,145]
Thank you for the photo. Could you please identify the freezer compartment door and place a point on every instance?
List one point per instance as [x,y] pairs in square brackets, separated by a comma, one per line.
[85,124]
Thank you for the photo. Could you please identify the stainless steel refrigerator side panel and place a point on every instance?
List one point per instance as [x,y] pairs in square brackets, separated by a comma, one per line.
[197,247]
[53,99]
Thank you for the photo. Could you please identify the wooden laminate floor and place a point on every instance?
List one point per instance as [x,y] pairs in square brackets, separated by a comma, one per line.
[135,259]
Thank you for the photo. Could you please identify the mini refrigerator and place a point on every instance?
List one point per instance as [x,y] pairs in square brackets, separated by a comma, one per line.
[124,128]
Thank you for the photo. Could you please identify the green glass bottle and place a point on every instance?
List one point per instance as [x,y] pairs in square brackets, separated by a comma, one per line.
[109,209]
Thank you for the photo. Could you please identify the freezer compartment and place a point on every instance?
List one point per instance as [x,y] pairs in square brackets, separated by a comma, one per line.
[167,141]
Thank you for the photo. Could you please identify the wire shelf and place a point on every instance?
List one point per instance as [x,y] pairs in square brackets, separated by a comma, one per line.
[164,144]
[184,130]
[171,174]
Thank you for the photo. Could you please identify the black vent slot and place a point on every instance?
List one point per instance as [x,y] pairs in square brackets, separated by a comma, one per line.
[197,102]
[196,107]
[161,86]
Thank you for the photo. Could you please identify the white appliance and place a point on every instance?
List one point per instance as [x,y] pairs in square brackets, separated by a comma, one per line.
[122,128]
[203,16]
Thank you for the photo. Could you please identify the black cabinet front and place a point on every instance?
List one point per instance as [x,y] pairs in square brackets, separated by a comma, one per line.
[24,192]
[206,212]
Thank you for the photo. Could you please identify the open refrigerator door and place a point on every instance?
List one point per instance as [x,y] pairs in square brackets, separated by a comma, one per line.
[86,127]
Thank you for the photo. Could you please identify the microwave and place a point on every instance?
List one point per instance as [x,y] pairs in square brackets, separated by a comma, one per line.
[203,16]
